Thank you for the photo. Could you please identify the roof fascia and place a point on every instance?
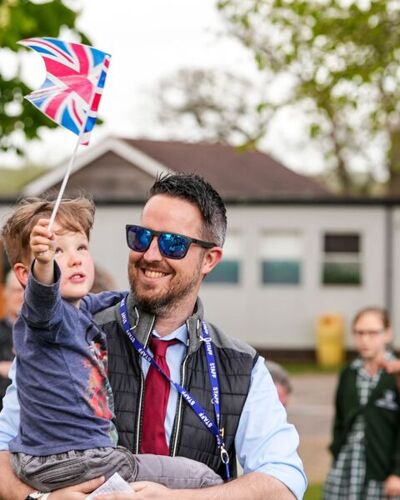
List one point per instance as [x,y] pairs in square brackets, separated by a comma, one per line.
[118,146]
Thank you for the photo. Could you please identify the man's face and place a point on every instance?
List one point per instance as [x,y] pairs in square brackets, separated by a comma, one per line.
[158,283]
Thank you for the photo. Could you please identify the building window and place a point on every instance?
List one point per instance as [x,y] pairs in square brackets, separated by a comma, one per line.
[281,253]
[228,270]
[342,259]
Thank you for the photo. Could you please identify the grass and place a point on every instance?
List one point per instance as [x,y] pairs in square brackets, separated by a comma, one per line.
[305,368]
[13,180]
[314,492]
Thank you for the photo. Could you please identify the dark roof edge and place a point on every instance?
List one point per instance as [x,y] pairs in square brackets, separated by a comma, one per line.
[328,201]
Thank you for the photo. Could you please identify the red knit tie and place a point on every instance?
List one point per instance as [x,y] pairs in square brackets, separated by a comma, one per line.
[156,400]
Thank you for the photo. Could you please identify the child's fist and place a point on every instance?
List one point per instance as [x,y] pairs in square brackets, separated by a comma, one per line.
[42,242]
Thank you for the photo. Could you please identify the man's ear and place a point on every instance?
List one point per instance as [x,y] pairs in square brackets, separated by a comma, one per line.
[21,272]
[212,257]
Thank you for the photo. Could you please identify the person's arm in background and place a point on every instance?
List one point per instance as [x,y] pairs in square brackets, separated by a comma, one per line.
[5,368]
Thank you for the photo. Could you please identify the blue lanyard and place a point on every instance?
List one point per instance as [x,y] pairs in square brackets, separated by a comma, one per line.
[190,400]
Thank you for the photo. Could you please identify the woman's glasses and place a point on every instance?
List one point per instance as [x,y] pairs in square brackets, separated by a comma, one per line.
[171,245]
[368,333]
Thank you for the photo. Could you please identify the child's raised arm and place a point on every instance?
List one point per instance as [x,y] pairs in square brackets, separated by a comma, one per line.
[42,248]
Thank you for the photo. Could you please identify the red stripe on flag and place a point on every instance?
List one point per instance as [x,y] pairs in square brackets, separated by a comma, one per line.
[75,111]
[54,105]
[95,103]
[81,54]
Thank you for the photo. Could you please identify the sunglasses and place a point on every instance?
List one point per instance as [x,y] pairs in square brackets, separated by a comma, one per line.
[171,245]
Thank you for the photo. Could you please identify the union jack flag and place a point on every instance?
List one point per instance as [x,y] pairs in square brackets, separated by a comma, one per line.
[75,78]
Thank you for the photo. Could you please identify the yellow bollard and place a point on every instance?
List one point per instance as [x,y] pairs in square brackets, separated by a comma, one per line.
[330,348]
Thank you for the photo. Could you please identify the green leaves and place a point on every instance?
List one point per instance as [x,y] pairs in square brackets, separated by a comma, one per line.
[345,60]
[21,19]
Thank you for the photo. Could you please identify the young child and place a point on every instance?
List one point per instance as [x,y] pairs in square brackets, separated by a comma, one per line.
[366,432]
[66,433]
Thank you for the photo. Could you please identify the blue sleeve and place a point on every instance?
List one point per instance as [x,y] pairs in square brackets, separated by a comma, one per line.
[42,309]
[9,415]
[265,442]
[95,302]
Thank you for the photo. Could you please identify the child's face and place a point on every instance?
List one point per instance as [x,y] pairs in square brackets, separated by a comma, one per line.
[370,337]
[76,264]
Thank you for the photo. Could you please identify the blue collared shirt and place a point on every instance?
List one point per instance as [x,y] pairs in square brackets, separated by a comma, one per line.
[265,442]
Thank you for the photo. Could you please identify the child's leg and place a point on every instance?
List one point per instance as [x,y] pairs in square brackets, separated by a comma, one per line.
[52,472]
[175,472]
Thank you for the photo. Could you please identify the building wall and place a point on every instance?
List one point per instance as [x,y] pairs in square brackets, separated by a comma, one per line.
[275,316]
[284,316]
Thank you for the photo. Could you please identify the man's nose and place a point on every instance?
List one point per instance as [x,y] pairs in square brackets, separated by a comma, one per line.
[153,252]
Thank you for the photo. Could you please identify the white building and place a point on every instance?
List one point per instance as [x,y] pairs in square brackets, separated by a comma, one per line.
[293,251]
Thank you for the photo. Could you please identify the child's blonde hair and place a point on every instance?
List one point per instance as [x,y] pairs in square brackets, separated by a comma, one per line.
[75,214]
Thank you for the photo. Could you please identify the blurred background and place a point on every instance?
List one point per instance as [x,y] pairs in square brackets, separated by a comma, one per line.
[290,109]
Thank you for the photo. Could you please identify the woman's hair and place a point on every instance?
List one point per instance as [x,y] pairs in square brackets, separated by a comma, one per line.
[379,311]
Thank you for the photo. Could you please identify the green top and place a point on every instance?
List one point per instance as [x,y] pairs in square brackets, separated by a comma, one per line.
[382,422]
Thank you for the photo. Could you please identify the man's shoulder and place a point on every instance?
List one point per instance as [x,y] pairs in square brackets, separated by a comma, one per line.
[108,315]
[225,341]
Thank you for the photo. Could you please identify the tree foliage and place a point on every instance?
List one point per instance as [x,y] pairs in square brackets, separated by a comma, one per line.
[21,19]
[218,104]
[342,59]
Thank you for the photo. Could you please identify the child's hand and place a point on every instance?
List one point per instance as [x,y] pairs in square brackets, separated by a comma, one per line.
[392,486]
[42,242]
[391,366]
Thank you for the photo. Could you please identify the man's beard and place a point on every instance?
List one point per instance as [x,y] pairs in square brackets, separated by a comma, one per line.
[164,302]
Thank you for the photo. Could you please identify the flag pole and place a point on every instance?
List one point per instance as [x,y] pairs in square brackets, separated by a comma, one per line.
[64,182]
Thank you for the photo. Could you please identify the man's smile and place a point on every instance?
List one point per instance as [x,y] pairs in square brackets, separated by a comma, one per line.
[149,273]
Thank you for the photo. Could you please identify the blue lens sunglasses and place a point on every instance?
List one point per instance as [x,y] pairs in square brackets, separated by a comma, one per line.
[171,245]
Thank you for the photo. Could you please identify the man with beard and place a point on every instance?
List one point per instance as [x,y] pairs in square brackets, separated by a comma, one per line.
[222,402]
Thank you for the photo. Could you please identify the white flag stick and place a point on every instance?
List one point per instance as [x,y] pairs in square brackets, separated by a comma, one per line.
[64,183]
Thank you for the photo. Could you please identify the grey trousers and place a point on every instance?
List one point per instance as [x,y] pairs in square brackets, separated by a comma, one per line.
[52,472]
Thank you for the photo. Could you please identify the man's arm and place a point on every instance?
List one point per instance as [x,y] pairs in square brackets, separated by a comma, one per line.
[11,488]
[265,442]
[266,447]
[252,486]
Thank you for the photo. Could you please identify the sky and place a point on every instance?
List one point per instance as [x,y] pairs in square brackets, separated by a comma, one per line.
[149,40]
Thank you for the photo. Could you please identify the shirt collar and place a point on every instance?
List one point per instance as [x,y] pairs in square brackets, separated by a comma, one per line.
[180,334]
